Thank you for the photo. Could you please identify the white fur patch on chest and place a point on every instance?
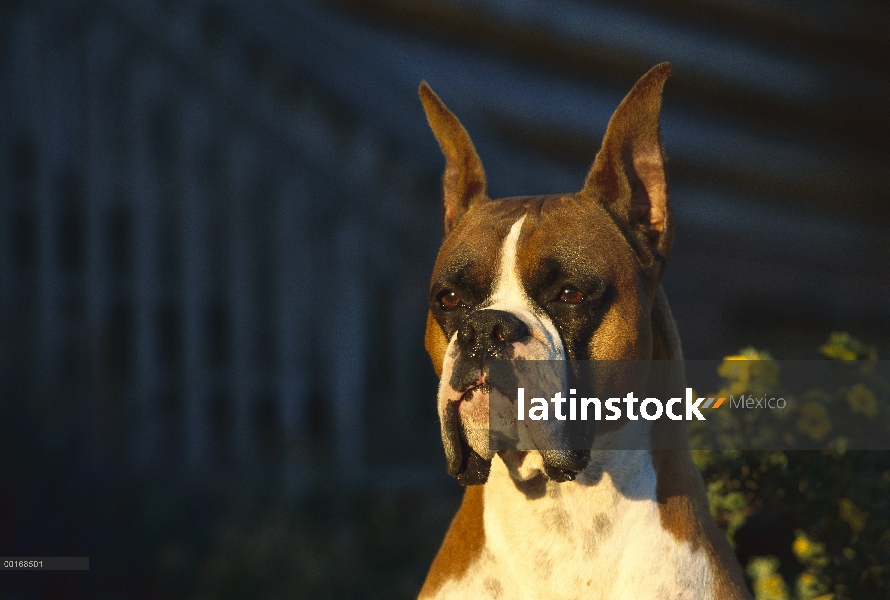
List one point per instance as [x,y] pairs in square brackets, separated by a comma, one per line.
[583,541]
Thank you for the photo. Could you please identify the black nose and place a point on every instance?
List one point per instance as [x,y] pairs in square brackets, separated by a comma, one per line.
[490,334]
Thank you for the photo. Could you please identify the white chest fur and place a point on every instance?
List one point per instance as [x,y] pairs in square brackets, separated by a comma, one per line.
[591,538]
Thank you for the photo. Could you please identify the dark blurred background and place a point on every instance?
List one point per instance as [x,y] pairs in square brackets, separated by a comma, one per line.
[218,219]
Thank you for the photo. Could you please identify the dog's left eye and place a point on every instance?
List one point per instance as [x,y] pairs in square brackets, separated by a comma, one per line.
[571,295]
[449,300]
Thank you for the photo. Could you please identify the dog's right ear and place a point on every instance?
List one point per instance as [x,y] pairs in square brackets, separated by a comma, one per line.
[463,183]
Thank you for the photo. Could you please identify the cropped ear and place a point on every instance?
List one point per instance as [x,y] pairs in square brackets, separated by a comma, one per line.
[628,176]
[463,183]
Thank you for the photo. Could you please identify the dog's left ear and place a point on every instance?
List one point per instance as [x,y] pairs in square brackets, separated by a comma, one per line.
[628,176]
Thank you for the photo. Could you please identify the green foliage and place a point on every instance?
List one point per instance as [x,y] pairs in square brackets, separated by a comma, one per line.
[836,501]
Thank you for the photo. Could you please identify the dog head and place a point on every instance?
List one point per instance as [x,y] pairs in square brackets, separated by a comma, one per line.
[567,276]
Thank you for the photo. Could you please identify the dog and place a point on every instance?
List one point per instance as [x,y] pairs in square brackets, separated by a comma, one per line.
[565,277]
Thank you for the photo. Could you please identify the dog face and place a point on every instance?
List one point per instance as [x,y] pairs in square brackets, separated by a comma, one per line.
[570,276]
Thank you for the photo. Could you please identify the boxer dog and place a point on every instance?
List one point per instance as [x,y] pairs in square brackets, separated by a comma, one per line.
[565,277]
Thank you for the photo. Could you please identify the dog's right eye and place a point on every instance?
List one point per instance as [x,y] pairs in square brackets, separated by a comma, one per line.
[571,296]
[449,300]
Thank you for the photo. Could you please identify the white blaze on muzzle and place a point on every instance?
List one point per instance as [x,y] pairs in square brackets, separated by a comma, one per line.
[510,296]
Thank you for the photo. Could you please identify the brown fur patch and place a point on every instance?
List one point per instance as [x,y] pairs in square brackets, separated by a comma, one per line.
[543,567]
[680,492]
[556,519]
[463,543]
[601,528]
[435,343]
[683,507]
[494,587]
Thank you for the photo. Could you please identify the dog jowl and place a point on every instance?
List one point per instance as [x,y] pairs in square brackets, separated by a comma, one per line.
[545,280]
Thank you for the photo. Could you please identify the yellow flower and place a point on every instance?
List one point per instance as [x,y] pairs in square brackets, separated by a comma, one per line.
[751,370]
[852,515]
[862,400]
[771,588]
[814,421]
[808,586]
[843,346]
[768,583]
[736,369]
[802,547]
